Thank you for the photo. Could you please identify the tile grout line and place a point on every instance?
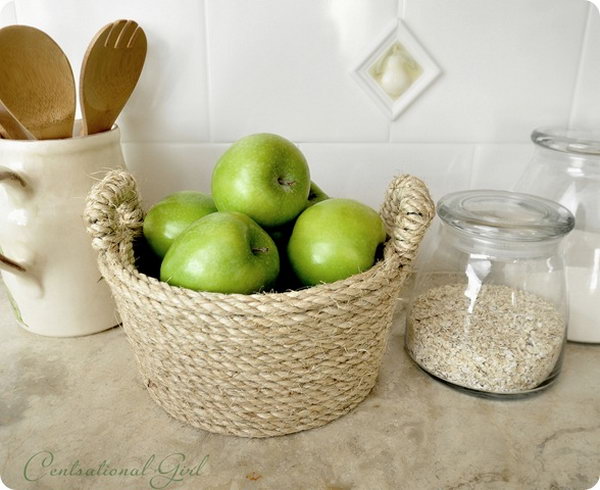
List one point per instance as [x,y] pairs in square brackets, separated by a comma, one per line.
[207,73]
[400,14]
[338,143]
[474,150]
[578,76]
[15,10]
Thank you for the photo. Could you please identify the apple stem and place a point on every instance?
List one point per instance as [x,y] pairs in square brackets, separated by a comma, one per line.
[262,250]
[285,182]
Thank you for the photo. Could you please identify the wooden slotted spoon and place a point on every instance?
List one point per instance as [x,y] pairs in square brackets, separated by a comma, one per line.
[37,89]
[111,68]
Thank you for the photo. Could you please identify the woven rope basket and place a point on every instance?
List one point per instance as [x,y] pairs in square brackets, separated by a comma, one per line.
[263,364]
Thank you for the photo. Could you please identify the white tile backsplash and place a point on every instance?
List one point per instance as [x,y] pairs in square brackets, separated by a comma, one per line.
[285,66]
[163,168]
[499,166]
[363,171]
[509,66]
[359,171]
[221,69]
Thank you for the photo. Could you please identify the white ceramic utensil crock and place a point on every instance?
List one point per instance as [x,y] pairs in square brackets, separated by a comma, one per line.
[47,262]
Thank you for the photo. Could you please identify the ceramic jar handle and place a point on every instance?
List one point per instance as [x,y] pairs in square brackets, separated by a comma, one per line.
[7,176]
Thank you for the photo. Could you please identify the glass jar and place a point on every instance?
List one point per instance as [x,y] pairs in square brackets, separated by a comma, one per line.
[565,168]
[488,310]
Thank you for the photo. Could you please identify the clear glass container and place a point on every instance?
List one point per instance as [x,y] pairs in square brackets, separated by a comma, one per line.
[488,309]
[565,167]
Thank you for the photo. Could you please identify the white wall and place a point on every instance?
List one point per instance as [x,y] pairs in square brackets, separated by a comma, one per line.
[220,69]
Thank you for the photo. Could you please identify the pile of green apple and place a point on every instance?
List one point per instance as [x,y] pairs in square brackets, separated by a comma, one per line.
[266,226]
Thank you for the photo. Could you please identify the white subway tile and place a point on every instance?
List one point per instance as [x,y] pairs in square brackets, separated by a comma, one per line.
[358,171]
[363,171]
[508,66]
[285,66]
[170,101]
[8,15]
[499,166]
[586,104]
[163,168]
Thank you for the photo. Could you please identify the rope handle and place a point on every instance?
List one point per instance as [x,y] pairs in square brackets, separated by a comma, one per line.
[114,215]
[407,211]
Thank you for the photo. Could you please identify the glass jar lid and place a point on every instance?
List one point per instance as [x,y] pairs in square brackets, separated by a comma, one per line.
[505,216]
[581,141]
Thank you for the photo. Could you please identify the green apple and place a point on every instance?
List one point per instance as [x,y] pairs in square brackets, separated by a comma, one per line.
[173,214]
[334,239]
[316,194]
[264,176]
[224,252]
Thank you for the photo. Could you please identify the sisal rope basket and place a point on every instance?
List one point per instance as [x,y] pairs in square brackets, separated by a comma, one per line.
[264,364]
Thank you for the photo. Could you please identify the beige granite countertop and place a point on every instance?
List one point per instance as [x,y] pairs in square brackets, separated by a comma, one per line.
[77,405]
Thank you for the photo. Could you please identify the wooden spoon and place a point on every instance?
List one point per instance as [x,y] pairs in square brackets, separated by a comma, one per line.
[111,68]
[36,83]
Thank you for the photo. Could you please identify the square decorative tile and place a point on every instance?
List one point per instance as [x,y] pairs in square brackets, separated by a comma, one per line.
[397,70]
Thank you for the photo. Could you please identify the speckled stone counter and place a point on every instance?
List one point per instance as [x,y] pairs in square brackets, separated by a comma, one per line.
[75,415]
